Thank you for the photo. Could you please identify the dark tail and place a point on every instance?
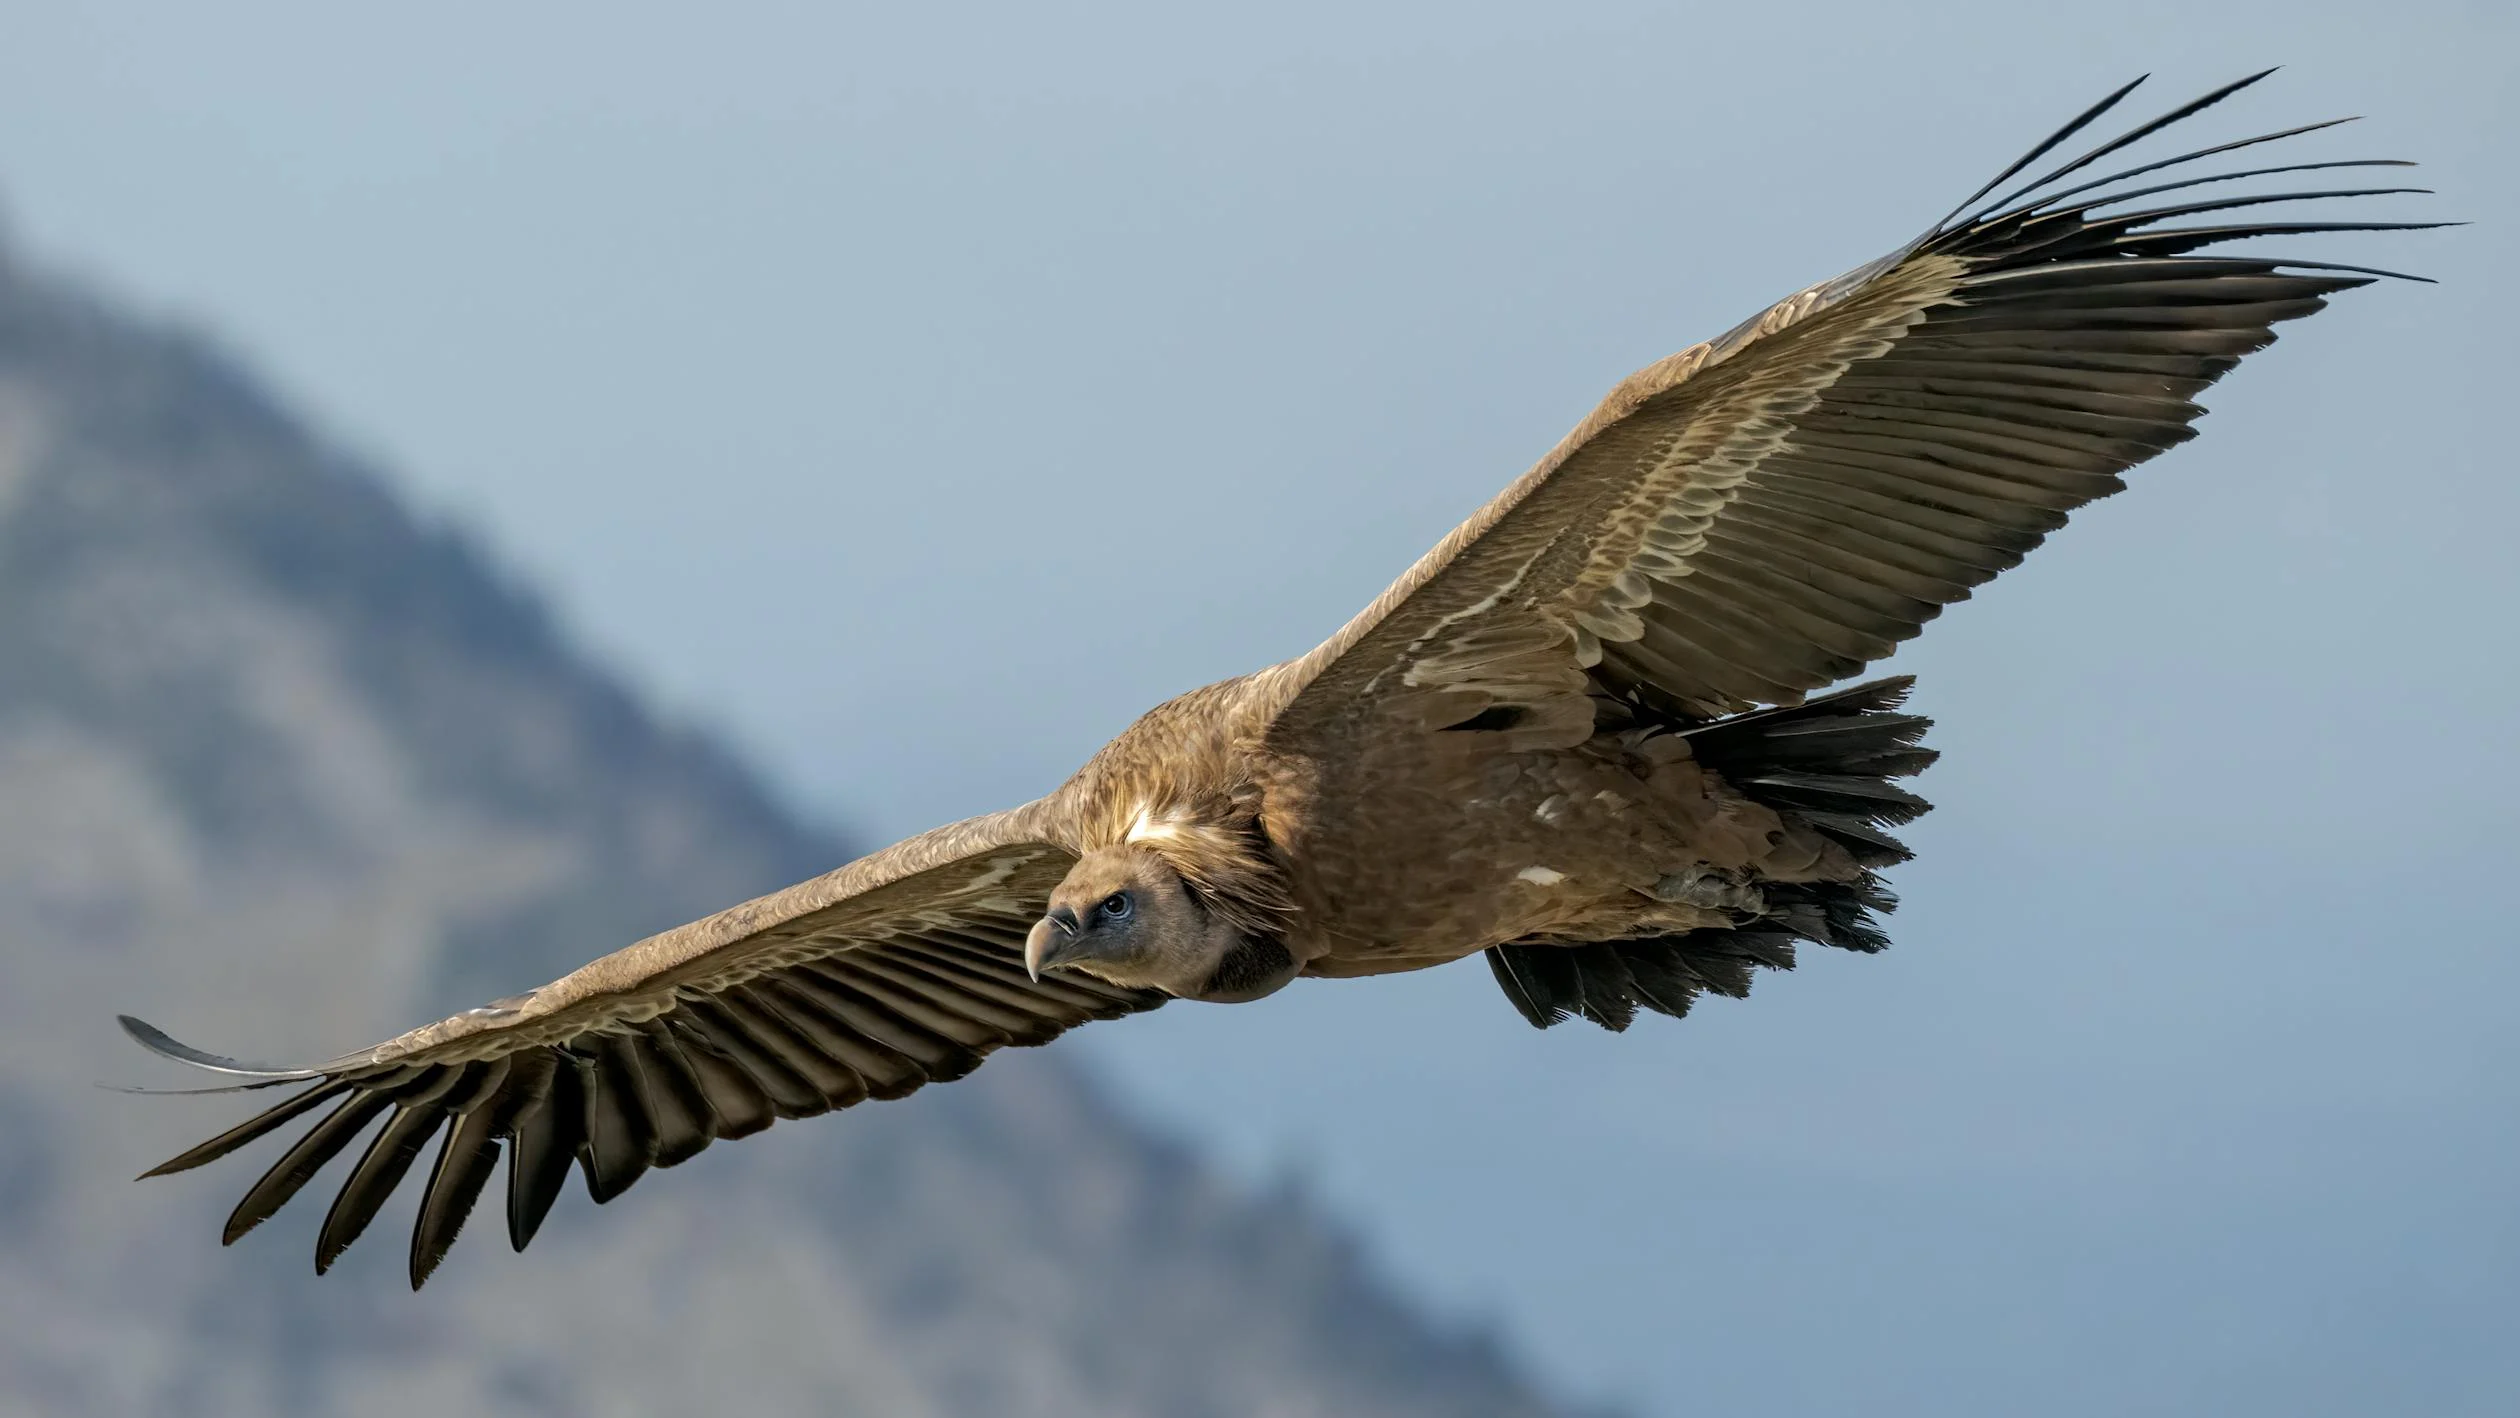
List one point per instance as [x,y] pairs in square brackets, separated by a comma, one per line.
[1829,763]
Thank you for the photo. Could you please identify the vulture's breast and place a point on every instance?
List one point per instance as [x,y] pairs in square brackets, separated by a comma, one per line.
[1439,846]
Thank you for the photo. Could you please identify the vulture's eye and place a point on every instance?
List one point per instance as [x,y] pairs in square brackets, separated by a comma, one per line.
[1116,906]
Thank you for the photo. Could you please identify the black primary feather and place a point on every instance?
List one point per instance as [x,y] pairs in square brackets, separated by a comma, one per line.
[379,1171]
[547,1134]
[620,1139]
[465,1162]
[301,1162]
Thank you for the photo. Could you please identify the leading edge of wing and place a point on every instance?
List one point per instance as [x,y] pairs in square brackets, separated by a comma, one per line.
[1382,639]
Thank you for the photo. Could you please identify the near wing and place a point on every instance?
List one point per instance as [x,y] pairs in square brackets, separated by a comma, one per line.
[898,970]
[1763,514]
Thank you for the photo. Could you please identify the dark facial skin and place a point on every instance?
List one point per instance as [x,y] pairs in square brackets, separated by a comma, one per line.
[1124,916]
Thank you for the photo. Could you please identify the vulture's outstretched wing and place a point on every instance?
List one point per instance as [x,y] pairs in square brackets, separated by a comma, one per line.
[898,970]
[1765,513]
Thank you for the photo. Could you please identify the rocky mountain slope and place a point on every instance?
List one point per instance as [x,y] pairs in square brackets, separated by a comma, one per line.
[286,770]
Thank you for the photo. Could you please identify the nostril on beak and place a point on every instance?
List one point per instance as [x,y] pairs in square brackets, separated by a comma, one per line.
[1046,943]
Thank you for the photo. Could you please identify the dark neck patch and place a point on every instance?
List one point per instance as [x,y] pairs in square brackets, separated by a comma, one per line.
[1250,970]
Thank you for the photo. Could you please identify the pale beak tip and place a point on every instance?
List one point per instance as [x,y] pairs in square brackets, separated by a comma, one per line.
[1046,944]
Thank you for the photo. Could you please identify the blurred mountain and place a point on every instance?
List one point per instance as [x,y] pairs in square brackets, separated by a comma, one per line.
[287,770]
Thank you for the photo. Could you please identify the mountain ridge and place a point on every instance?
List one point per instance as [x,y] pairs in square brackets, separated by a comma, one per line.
[288,770]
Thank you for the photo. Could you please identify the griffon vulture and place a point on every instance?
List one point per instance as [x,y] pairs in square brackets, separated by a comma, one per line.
[1574,736]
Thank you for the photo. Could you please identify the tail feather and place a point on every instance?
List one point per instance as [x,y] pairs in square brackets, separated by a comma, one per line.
[1827,763]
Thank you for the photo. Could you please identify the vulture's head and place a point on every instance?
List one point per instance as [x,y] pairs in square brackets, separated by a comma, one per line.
[1125,915]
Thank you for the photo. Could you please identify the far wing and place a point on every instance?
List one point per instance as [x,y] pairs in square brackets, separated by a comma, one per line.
[1766,513]
[898,970]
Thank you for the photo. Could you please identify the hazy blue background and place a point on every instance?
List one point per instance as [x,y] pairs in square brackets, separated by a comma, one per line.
[916,396]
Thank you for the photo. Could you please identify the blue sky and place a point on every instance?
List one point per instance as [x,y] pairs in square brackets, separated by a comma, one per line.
[914,397]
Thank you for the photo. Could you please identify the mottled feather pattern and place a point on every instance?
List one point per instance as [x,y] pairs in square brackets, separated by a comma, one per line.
[1716,433]
[1763,514]
[829,1008]
[1828,765]
[1545,741]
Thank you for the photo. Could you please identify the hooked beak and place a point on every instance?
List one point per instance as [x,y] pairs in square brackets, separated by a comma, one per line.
[1051,942]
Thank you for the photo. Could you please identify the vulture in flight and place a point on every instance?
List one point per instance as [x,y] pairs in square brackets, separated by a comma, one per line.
[1580,736]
